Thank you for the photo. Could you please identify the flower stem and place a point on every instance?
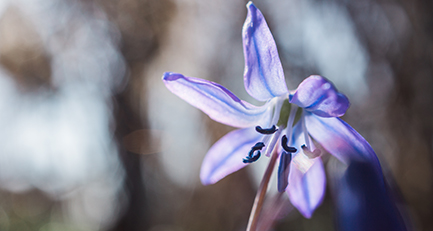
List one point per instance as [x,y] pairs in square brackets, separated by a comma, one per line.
[261,192]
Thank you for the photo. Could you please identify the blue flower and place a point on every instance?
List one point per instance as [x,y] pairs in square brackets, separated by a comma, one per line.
[287,122]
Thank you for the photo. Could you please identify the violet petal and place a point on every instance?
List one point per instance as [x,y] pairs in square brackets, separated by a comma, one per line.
[263,74]
[318,95]
[306,189]
[341,140]
[215,100]
[225,156]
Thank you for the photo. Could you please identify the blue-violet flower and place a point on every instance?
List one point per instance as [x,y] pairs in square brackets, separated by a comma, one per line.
[288,121]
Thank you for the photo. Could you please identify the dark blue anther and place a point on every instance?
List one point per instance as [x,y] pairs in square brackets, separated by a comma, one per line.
[266,131]
[251,153]
[285,146]
[283,171]
[252,158]
[258,146]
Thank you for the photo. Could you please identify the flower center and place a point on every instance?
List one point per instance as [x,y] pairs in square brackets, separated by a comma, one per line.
[255,153]
[281,109]
[285,117]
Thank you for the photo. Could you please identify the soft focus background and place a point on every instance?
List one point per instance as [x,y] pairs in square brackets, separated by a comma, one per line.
[91,139]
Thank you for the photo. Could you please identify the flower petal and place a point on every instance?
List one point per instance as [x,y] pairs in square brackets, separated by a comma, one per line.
[215,100]
[341,140]
[226,155]
[318,95]
[371,204]
[263,74]
[306,189]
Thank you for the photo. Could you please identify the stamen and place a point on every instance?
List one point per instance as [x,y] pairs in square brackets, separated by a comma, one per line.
[304,130]
[311,154]
[290,122]
[250,158]
[258,146]
[270,147]
[266,131]
[283,171]
[266,139]
[285,146]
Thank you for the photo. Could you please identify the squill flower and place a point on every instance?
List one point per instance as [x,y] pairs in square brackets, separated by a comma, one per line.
[287,121]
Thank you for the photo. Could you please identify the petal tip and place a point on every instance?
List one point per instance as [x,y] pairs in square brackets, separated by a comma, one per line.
[307,214]
[319,95]
[205,182]
[170,76]
[204,178]
[250,5]
[207,178]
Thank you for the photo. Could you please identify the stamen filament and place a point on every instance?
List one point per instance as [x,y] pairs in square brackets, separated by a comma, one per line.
[289,128]
[266,139]
[304,130]
[270,147]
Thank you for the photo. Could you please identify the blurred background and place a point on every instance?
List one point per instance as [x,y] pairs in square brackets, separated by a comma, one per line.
[90,139]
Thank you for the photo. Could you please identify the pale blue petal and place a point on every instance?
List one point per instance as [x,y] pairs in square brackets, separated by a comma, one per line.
[318,95]
[306,190]
[215,100]
[226,155]
[263,74]
[341,140]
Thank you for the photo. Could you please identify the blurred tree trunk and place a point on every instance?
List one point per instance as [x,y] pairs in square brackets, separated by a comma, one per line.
[410,108]
[141,33]
[411,114]
[409,52]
